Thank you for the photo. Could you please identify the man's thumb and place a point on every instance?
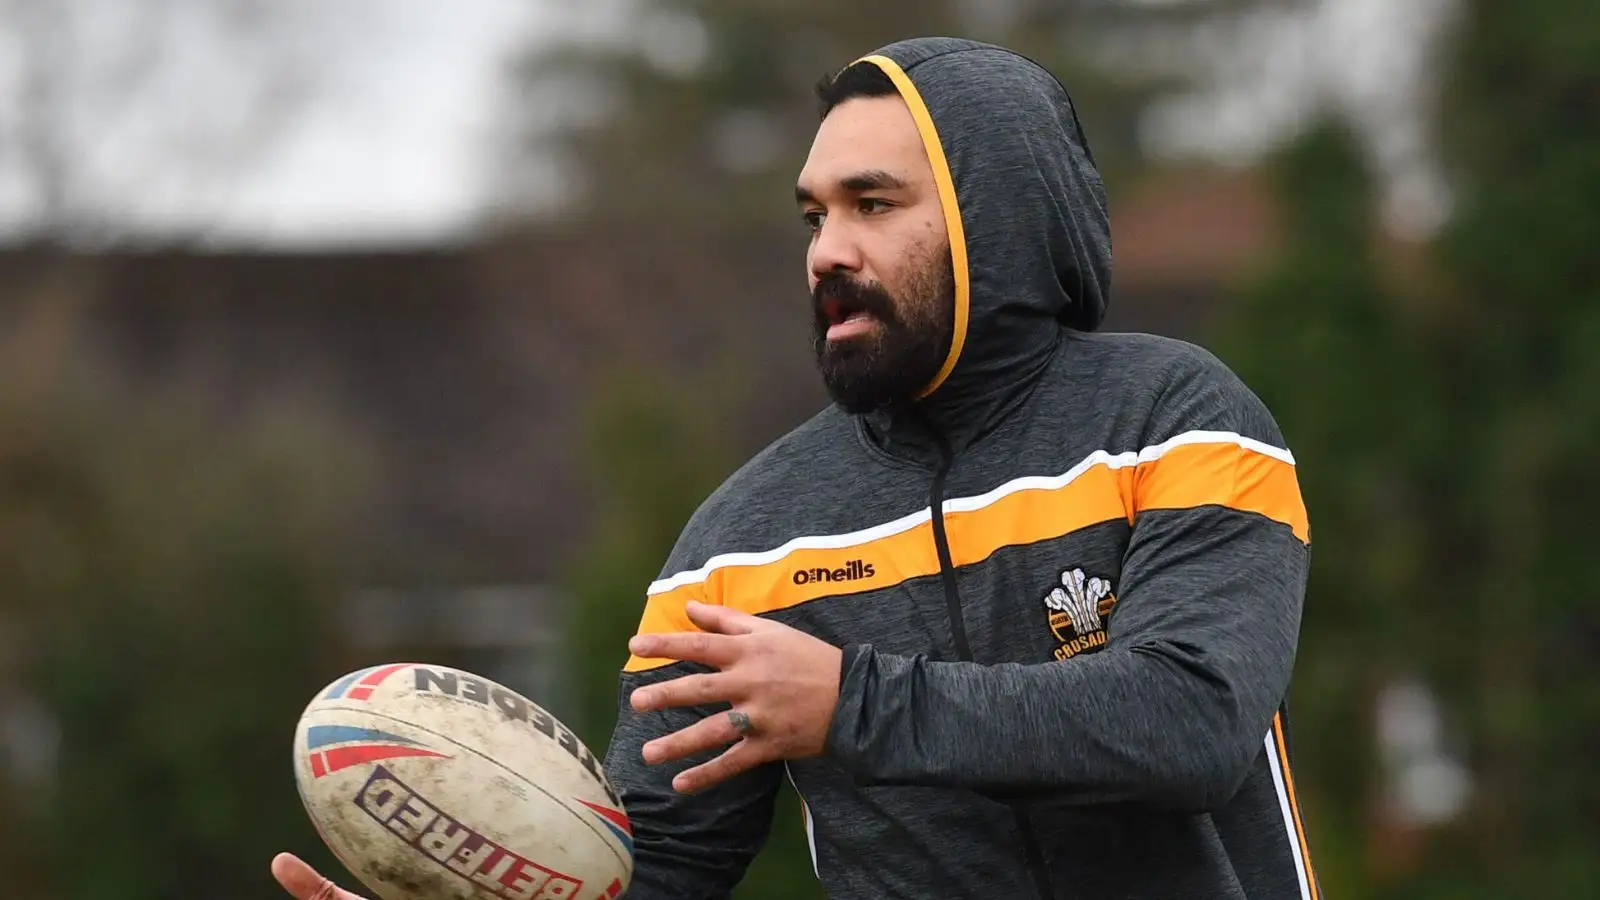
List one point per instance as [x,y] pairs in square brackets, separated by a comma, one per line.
[302,882]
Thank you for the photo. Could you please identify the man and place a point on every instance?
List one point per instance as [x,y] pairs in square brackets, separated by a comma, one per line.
[1017,613]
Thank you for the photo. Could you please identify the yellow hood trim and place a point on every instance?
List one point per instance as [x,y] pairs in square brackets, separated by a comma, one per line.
[947,199]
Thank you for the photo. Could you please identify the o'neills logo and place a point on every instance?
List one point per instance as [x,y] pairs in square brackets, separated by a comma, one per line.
[851,571]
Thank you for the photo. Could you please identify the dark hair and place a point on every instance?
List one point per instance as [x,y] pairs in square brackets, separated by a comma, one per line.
[863,79]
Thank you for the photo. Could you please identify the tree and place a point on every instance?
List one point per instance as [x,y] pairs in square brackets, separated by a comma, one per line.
[1516,479]
[169,583]
[1326,344]
[703,110]
[656,457]
[1445,426]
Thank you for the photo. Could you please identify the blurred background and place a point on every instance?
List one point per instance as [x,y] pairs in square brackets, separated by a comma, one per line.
[333,334]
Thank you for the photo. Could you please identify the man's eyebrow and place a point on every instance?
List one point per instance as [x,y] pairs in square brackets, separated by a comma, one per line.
[869,180]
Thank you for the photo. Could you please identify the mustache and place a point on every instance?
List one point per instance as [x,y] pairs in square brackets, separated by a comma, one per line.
[852,296]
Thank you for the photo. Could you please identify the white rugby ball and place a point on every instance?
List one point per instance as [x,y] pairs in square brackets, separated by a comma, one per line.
[430,783]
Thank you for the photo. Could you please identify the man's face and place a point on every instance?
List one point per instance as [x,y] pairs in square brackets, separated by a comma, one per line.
[879,269]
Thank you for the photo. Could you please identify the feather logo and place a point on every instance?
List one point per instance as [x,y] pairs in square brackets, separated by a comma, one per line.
[1079,611]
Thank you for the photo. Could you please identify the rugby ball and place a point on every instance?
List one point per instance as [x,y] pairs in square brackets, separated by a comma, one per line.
[430,783]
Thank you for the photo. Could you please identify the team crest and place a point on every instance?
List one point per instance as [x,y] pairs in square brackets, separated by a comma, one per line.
[1079,610]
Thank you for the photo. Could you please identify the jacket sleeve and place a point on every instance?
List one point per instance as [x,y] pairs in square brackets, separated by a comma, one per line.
[684,845]
[1173,710]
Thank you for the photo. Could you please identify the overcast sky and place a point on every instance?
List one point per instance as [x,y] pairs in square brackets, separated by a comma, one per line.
[393,107]
[1369,59]
[384,136]
[397,139]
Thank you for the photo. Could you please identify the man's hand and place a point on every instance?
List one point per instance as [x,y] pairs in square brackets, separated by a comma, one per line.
[303,883]
[783,684]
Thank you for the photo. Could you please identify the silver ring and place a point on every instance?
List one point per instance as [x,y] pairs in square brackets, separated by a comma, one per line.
[741,722]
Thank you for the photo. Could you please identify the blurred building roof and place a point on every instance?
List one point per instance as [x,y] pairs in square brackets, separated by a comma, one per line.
[1187,228]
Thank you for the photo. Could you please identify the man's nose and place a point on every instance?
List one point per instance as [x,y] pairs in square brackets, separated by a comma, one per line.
[834,250]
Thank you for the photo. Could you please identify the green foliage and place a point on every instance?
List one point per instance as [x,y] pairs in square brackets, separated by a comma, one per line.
[653,457]
[1316,338]
[168,579]
[657,451]
[720,142]
[1523,128]
[1445,433]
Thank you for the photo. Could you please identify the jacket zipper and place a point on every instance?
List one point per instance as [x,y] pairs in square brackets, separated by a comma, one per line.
[947,569]
[958,632]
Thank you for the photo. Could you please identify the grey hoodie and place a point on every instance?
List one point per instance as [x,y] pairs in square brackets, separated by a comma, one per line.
[1068,582]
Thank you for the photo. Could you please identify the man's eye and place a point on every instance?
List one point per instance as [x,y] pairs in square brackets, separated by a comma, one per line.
[870,205]
[813,220]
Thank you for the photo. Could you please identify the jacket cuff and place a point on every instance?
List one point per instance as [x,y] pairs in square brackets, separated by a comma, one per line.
[854,660]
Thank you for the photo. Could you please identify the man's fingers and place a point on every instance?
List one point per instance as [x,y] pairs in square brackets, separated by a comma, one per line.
[715,644]
[721,619]
[716,650]
[741,757]
[690,690]
[706,734]
[303,883]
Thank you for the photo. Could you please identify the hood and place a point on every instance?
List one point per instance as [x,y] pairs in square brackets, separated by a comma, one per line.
[1025,208]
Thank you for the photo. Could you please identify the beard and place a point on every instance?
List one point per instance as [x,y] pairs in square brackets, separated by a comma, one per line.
[904,350]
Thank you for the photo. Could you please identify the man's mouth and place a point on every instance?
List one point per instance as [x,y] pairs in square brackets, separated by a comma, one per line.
[845,321]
